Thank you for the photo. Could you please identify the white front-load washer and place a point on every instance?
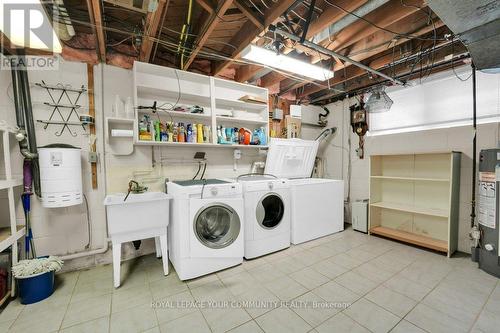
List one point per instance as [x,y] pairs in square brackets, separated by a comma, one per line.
[206,231]
[267,214]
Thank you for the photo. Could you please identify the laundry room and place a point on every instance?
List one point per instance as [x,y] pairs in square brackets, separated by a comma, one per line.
[249,166]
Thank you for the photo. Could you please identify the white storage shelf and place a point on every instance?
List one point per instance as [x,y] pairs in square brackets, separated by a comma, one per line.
[216,96]
[9,235]
[414,198]
[120,145]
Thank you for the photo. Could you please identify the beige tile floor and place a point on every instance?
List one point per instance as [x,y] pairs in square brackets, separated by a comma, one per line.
[383,286]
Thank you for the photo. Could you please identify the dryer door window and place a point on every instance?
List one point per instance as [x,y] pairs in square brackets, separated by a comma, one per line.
[270,210]
[217,225]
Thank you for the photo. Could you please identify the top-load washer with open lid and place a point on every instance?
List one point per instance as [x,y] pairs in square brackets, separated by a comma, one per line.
[317,204]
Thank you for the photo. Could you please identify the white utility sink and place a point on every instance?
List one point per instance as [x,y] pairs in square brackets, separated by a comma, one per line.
[140,211]
[141,216]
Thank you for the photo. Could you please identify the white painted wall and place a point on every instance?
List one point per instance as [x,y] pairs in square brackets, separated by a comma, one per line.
[63,231]
[457,138]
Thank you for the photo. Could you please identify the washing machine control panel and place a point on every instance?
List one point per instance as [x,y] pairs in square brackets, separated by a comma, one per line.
[223,191]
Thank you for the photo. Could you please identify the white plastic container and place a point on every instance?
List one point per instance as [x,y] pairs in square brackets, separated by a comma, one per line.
[60,176]
[139,212]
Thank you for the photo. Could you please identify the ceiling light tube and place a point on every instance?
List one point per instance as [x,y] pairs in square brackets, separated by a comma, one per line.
[269,58]
[27,18]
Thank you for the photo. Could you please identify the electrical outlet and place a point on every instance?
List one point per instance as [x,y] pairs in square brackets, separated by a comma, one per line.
[92,157]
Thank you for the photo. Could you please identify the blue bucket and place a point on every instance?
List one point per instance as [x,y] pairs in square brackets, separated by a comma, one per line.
[35,288]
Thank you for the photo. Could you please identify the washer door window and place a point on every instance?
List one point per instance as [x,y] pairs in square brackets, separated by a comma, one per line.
[270,210]
[217,226]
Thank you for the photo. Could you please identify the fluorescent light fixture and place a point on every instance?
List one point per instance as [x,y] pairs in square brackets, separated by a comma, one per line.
[286,63]
[26,24]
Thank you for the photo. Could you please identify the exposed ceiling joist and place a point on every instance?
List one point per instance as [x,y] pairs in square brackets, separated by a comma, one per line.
[94,7]
[206,5]
[246,73]
[383,16]
[214,19]
[151,29]
[339,71]
[249,32]
[329,16]
[443,61]
[252,16]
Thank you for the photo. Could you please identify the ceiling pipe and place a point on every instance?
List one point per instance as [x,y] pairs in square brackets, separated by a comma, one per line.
[324,50]
[348,19]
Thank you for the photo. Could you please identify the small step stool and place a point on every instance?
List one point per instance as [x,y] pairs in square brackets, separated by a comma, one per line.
[140,216]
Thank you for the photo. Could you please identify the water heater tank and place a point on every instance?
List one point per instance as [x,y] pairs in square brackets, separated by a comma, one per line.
[60,175]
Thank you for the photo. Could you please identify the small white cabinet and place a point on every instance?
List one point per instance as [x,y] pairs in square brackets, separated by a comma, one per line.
[415,198]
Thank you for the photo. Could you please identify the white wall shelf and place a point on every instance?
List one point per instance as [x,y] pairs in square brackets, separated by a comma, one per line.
[193,144]
[169,86]
[412,179]
[240,120]
[415,199]
[177,114]
[120,145]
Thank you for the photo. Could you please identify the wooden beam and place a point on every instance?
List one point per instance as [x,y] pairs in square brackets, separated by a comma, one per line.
[214,19]
[249,32]
[441,62]
[253,17]
[90,93]
[151,28]
[383,16]
[206,5]
[329,16]
[94,7]
[247,72]
[332,14]
[339,70]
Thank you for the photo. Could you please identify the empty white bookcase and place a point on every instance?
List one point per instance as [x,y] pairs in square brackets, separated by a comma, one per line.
[415,199]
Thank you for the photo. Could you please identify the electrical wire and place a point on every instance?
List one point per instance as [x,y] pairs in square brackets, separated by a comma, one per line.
[453,66]
[203,173]
[89,229]
[197,172]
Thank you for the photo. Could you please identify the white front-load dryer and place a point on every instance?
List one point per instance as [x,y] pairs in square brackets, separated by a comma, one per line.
[267,215]
[206,230]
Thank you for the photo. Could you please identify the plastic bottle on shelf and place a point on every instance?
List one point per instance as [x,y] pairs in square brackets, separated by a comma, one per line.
[189,133]
[129,108]
[157,130]
[175,133]
[194,135]
[206,134]
[199,133]
[181,133]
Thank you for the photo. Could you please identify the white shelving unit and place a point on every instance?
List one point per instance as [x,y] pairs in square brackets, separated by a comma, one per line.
[9,235]
[414,199]
[171,87]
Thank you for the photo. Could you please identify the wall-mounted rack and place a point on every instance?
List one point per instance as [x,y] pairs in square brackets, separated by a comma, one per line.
[56,106]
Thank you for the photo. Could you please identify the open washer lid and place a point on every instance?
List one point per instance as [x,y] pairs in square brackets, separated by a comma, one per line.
[291,158]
